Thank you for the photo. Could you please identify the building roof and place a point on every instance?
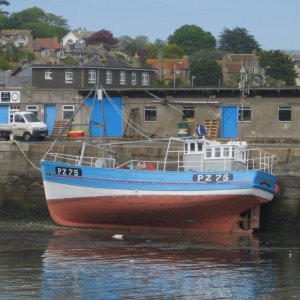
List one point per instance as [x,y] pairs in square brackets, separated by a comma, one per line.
[46,43]
[82,34]
[168,63]
[14,31]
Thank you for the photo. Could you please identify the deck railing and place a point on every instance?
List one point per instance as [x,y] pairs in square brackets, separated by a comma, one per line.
[251,159]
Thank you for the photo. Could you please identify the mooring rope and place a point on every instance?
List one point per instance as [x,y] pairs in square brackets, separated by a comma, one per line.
[31,163]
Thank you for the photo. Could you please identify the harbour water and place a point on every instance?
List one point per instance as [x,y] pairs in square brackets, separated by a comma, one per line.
[39,260]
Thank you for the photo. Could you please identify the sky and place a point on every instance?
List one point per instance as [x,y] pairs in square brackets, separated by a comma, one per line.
[275,24]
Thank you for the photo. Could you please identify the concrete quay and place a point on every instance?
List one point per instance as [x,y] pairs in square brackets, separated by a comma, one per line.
[22,193]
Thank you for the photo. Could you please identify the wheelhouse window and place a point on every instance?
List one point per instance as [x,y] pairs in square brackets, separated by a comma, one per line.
[244,114]
[92,77]
[188,113]
[122,78]
[284,114]
[150,114]
[33,108]
[145,78]
[69,76]
[108,77]
[133,78]
[48,74]
[67,112]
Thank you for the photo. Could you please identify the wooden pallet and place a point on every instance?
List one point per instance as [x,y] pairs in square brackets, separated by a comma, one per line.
[212,128]
[58,127]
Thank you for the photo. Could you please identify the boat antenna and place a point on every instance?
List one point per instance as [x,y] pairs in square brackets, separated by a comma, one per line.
[243,80]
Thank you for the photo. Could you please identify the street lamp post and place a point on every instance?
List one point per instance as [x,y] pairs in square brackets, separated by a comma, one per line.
[193,77]
[6,78]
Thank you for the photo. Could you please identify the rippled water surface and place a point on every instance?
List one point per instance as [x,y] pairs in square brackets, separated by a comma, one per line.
[43,261]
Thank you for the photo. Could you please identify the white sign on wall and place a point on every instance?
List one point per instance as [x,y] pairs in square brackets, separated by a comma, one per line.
[9,96]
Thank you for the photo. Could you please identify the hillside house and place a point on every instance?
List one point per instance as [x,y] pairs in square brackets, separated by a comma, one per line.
[20,38]
[172,71]
[48,50]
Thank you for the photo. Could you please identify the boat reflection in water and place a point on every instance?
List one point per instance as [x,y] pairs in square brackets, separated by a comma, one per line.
[91,265]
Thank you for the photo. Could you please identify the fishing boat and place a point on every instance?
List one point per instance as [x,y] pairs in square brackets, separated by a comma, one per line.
[198,185]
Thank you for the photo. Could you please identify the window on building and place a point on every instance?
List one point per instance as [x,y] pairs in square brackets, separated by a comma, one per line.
[284,114]
[122,78]
[92,77]
[188,113]
[60,54]
[45,53]
[12,110]
[145,78]
[33,108]
[150,114]
[48,74]
[133,78]
[244,114]
[108,77]
[69,76]
[67,112]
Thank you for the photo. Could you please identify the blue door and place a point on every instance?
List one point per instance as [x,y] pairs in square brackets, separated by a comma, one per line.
[229,122]
[50,116]
[112,114]
[4,114]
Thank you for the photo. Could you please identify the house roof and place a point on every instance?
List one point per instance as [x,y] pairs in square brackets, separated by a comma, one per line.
[46,43]
[168,63]
[14,31]
[82,34]
[107,60]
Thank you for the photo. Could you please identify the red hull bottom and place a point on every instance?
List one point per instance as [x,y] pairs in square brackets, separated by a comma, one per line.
[211,213]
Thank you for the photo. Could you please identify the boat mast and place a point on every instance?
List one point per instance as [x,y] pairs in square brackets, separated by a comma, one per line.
[243,80]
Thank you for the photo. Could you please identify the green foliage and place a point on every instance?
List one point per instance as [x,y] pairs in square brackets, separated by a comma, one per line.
[132,46]
[192,38]
[279,66]
[40,23]
[173,51]
[10,56]
[6,3]
[215,54]
[152,51]
[69,61]
[160,44]
[4,65]
[206,72]
[237,40]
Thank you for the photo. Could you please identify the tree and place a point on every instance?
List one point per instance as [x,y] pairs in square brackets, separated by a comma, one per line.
[40,23]
[138,45]
[237,40]
[102,36]
[206,72]
[127,45]
[207,54]
[173,51]
[279,66]
[6,3]
[192,38]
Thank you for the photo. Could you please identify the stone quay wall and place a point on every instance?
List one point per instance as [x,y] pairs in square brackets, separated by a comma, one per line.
[22,193]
